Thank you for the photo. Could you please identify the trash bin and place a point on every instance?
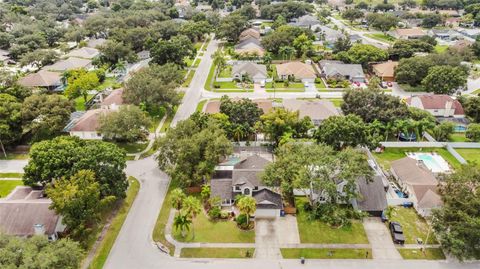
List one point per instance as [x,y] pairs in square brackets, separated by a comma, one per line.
[302,260]
[282,213]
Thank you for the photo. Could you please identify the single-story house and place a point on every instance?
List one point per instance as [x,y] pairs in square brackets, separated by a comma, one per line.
[439,105]
[444,34]
[408,33]
[385,71]
[328,35]
[244,178]
[462,44]
[95,42]
[42,79]
[340,70]
[248,33]
[25,212]
[257,72]
[419,182]
[84,53]
[372,199]
[86,126]
[297,70]
[453,21]
[69,64]
[317,110]
[113,100]
[472,33]
[213,106]
[250,46]
[306,21]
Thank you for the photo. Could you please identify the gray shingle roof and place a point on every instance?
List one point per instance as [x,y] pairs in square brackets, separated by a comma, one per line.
[253,162]
[254,70]
[335,68]
[267,199]
[250,178]
[372,194]
[221,188]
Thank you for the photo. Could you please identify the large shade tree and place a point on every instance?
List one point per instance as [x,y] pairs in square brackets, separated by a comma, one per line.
[10,120]
[129,124]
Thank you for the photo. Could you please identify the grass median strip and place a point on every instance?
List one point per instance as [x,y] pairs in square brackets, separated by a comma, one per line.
[417,254]
[326,253]
[11,175]
[117,223]
[6,186]
[217,253]
[159,230]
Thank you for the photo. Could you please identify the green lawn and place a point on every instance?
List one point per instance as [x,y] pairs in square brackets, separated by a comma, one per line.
[417,254]
[471,155]
[14,156]
[166,123]
[132,147]
[414,226]
[217,252]
[326,253]
[208,82]
[337,102]
[198,45]
[11,175]
[207,231]
[200,105]
[458,137]
[188,61]
[226,72]
[285,90]
[197,62]
[226,85]
[320,232]
[382,37]
[392,154]
[188,79]
[155,122]
[116,224]
[409,88]
[6,186]
[80,102]
[320,85]
[476,92]
[440,48]
[109,82]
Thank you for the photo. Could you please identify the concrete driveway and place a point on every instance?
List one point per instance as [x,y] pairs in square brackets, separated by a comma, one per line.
[266,243]
[287,230]
[380,240]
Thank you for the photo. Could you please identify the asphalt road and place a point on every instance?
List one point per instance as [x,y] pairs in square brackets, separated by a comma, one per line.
[366,39]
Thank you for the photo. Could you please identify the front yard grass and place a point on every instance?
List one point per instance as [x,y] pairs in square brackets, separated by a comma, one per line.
[470,155]
[80,102]
[207,231]
[159,230]
[208,82]
[14,156]
[326,253]
[440,48]
[382,37]
[197,62]
[200,105]
[226,72]
[226,85]
[6,186]
[217,253]
[115,226]
[11,175]
[132,147]
[320,85]
[417,254]
[188,79]
[392,154]
[315,231]
[414,226]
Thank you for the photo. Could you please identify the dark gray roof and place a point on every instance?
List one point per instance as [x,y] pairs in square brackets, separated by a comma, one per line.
[372,195]
[267,199]
[247,41]
[252,162]
[221,188]
[250,178]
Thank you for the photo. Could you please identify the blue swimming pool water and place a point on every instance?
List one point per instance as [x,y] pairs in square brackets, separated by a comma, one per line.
[430,162]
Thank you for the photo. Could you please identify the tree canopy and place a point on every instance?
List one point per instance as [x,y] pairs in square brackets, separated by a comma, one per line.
[362,54]
[128,123]
[174,50]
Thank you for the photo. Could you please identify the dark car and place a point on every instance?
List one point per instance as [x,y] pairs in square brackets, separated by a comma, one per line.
[397,233]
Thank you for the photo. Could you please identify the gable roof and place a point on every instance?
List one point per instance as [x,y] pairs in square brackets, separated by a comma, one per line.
[246,177]
[248,43]
[315,109]
[68,64]
[249,33]
[372,194]
[252,162]
[41,79]
[435,101]
[430,200]
[410,32]
[85,52]
[298,69]
[334,68]
[115,97]
[267,199]
[221,188]
[89,122]
[254,70]
[411,172]
[385,69]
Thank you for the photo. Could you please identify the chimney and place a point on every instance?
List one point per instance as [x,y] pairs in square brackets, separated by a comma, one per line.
[39,229]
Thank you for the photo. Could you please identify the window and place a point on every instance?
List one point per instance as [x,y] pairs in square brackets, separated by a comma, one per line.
[237,188]
[246,191]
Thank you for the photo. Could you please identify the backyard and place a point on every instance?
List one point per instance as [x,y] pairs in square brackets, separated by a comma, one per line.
[391,154]
[315,231]
[458,137]
[470,155]
[413,225]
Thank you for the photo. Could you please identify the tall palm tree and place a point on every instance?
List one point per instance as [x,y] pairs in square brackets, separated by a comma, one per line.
[238,132]
[267,59]
[283,52]
[247,205]
[176,198]
[219,61]
[192,207]
[183,223]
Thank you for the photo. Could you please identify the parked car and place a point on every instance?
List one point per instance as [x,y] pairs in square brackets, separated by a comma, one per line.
[397,233]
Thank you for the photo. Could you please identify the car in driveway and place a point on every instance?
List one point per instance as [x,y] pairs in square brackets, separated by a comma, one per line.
[397,233]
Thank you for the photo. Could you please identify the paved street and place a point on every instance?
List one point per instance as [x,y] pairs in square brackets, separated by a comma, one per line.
[12,166]
[366,39]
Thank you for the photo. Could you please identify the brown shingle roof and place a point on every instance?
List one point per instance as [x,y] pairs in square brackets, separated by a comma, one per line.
[315,109]
[414,32]
[115,97]
[386,69]
[41,79]
[298,69]
[249,33]
[68,64]
[90,121]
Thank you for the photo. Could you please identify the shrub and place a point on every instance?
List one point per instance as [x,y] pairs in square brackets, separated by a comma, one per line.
[318,80]
[214,213]
[216,85]
[241,220]
[224,214]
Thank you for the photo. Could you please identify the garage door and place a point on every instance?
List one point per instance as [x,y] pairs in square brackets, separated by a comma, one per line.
[267,213]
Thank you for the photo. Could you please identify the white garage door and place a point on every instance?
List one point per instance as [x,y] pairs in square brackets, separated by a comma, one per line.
[267,213]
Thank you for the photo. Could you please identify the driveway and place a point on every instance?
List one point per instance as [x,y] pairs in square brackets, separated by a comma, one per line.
[287,230]
[380,240]
[266,243]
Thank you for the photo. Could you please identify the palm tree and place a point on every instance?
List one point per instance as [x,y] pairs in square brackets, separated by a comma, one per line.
[176,198]
[238,132]
[247,205]
[283,52]
[192,207]
[182,222]
[219,61]
[267,60]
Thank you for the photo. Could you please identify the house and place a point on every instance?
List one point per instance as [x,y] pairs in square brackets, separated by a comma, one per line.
[409,33]
[444,34]
[439,105]
[143,55]
[113,100]
[419,182]
[453,22]
[317,110]
[256,72]
[213,106]
[69,64]
[385,71]
[306,21]
[411,23]
[244,178]
[329,35]
[471,33]
[86,126]
[355,38]
[372,196]
[296,70]
[84,53]
[4,57]
[96,42]
[250,46]
[339,70]
[42,79]
[249,33]
[462,44]
[26,212]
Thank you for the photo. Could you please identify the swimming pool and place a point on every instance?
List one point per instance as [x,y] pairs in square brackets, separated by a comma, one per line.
[434,162]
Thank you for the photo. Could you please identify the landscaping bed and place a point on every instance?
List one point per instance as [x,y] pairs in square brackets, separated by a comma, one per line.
[417,254]
[217,252]
[326,253]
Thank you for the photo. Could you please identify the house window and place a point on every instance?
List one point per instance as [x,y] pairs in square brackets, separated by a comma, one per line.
[255,188]
[237,188]
[246,191]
